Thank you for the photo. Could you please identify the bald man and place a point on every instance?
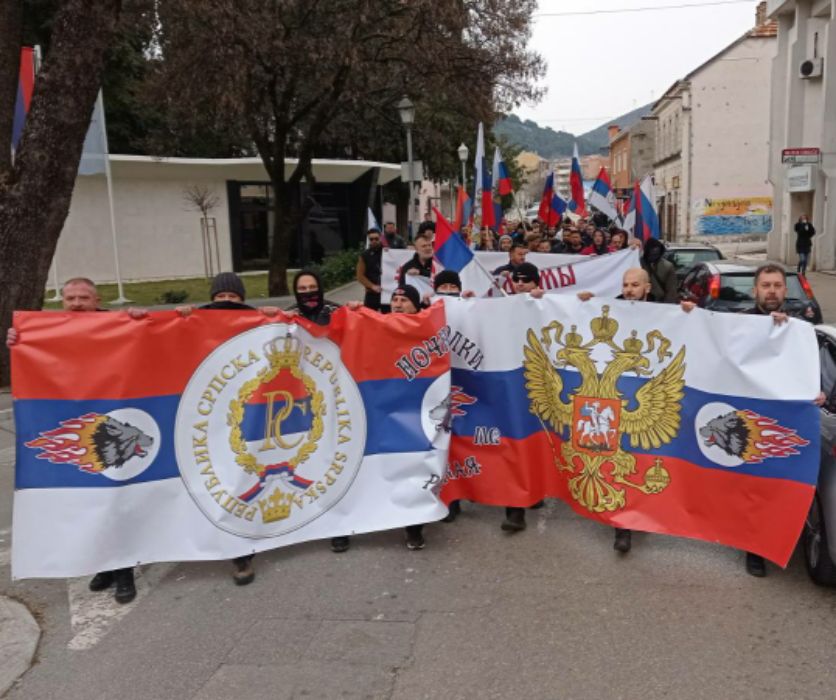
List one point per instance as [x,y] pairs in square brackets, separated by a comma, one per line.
[635,286]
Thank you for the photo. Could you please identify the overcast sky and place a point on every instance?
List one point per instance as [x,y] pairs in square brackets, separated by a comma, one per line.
[603,65]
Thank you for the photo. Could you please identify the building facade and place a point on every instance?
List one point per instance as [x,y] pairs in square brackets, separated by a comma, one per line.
[803,116]
[632,155]
[159,231]
[711,165]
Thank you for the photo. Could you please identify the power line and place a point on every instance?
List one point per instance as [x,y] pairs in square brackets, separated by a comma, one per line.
[623,10]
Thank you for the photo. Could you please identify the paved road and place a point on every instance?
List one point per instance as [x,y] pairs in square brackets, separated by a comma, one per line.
[552,612]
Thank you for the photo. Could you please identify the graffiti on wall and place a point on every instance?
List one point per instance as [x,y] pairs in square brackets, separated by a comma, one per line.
[715,217]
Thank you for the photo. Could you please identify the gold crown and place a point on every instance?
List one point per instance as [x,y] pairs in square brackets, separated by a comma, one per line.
[573,338]
[284,352]
[604,328]
[276,506]
[633,344]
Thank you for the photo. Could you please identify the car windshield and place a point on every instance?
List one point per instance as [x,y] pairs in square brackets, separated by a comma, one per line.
[682,259]
[738,287]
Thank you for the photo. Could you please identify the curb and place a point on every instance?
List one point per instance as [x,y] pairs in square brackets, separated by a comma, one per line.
[19,636]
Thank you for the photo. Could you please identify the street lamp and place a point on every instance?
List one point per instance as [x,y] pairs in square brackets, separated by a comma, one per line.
[463,153]
[407,111]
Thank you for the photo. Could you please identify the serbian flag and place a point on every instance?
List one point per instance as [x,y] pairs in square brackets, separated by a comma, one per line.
[254,433]
[607,405]
[448,246]
[462,210]
[488,211]
[25,85]
[602,197]
[577,202]
[552,205]
[642,220]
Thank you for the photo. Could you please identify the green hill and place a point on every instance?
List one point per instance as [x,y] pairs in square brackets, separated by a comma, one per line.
[548,143]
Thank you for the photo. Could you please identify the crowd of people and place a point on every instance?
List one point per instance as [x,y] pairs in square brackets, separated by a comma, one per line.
[654,281]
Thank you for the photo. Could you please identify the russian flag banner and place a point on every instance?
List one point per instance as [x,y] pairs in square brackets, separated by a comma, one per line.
[613,407]
[220,434]
[577,203]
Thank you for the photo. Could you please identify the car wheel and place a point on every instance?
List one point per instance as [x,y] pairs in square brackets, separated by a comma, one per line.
[820,566]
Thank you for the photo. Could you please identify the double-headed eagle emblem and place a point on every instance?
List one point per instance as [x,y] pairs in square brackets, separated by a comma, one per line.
[597,415]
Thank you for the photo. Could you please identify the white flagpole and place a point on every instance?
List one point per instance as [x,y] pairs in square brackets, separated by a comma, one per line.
[121,299]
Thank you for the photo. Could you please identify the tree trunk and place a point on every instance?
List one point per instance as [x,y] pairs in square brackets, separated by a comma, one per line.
[283,229]
[11,37]
[34,201]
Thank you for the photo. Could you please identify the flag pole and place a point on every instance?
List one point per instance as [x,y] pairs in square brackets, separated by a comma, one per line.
[121,299]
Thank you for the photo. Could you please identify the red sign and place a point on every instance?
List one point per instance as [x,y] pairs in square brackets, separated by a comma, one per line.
[800,155]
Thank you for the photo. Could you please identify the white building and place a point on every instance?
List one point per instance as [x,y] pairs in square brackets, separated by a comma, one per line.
[803,116]
[712,142]
[159,233]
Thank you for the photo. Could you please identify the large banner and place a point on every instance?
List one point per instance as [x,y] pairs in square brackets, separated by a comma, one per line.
[639,415]
[559,274]
[220,434]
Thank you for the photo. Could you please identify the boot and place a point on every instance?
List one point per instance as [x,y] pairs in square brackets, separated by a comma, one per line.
[454,509]
[415,537]
[623,540]
[244,572]
[514,520]
[125,587]
[755,565]
[340,544]
[101,581]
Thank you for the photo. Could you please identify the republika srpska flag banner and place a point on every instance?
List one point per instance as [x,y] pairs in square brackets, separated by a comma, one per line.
[638,415]
[220,434]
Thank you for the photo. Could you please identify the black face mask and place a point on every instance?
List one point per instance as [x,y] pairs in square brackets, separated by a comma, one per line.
[448,294]
[310,303]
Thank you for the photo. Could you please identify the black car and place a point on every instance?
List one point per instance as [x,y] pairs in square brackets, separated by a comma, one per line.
[729,286]
[685,256]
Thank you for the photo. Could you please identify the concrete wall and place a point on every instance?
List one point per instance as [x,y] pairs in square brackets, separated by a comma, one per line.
[729,178]
[803,115]
[158,236]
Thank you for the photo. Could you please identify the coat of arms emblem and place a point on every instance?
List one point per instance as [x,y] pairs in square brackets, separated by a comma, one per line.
[598,415]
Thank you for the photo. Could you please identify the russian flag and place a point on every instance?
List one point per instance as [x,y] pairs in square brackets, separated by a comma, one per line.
[503,179]
[488,213]
[577,203]
[25,85]
[642,219]
[602,197]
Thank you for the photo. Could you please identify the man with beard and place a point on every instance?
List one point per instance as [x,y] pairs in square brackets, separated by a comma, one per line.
[770,293]
[369,268]
[80,295]
[393,240]
[516,257]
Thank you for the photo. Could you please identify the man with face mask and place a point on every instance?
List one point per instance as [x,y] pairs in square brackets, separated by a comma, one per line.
[369,268]
[662,273]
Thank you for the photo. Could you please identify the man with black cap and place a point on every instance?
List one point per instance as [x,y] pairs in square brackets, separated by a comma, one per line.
[228,293]
[369,268]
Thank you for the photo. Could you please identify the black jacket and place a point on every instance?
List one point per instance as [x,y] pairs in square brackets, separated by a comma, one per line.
[424,269]
[793,313]
[803,237]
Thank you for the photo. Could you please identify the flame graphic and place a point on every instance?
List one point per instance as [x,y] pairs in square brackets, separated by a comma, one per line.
[72,443]
[768,439]
[459,398]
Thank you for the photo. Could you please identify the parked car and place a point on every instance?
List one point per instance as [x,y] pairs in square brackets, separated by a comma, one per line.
[728,286]
[818,538]
[685,255]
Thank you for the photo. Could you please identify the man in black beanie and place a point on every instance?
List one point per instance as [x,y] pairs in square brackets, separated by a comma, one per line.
[406,300]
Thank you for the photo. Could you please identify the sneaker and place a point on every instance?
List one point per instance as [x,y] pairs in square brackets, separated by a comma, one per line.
[340,544]
[514,520]
[244,573]
[125,588]
[623,540]
[454,509]
[755,565]
[415,537]
[101,581]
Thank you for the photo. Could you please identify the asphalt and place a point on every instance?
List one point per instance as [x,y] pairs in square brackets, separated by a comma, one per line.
[552,612]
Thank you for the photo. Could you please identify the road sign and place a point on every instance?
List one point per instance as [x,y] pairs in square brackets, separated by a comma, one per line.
[801,156]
